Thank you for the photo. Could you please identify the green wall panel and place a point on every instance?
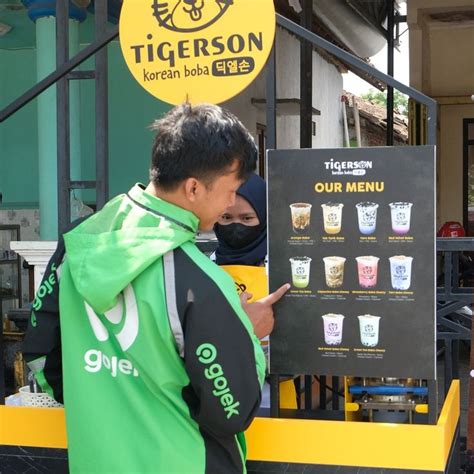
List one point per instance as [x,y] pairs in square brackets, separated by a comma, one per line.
[131,111]
[18,134]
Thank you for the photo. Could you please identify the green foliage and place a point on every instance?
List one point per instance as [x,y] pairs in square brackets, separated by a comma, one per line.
[400,101]
[470,187]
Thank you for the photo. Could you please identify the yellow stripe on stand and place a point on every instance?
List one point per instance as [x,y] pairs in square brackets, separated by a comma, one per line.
[383,445]
[346,443]
[449,417]
[37,427]
[352,409]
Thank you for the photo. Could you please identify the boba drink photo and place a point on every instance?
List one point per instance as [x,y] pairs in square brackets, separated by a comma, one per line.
[367,217]
[332,216]
[369,329]
[367,269]
[334,271]
[401,215]
[400,272]
[333,324]
[300,268]
[300,217]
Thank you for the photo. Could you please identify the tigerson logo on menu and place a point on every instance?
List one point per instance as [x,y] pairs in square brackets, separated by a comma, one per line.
[356,168]
[196,50]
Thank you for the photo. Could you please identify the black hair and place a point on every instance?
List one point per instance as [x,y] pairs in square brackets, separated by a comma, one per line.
[200,141]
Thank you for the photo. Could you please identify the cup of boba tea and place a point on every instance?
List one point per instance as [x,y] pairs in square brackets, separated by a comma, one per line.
[400,272]
[300,217]
[334,271]
[332,216]
[333,324]
[401,216]
[367,217]
[369,329]
[367,269]
[300,268]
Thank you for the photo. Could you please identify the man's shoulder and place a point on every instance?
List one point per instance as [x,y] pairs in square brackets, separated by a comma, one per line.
[188,255]
[191,254]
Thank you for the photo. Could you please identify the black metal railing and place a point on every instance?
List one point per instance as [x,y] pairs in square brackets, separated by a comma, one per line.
[61,77]
[455,290]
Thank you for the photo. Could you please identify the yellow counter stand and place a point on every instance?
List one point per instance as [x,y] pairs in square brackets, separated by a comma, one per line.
[401,447]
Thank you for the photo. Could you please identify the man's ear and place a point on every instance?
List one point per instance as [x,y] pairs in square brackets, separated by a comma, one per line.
[192,189]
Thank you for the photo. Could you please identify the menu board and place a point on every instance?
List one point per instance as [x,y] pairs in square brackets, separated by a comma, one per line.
[353,232]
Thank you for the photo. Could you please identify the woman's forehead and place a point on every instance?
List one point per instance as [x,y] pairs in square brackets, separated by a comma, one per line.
[241,206]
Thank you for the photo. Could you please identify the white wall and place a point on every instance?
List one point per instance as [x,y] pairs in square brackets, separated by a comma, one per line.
[327,91]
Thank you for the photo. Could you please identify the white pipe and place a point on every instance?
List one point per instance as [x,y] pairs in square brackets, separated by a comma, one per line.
[357,122]
[344,120]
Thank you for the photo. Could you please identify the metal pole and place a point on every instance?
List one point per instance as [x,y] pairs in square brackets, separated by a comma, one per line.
[308,392]
[353,60]
[306,78]
[417,124]
[322,392]
[50,79]
[335,393]
[432,402]
[448,365]
[270,94]
[364,67]
[355,108]
[62,107]
[274,395]
[101,108]
[271,144]
[432,119]
[390,50]
[346,126]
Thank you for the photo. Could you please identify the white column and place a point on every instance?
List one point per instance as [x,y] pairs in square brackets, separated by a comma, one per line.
[36,253]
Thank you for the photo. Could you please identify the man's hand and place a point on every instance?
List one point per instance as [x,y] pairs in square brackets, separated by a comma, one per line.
[260,312]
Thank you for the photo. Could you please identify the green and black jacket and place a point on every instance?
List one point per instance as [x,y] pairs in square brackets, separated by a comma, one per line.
[160,368]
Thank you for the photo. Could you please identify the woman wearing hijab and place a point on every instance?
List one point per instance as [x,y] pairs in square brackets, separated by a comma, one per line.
[242,235]
[242,229]
[242,250]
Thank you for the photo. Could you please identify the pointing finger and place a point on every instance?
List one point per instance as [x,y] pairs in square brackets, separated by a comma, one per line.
[272,298]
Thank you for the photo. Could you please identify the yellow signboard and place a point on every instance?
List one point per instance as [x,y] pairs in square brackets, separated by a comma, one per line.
[196,50]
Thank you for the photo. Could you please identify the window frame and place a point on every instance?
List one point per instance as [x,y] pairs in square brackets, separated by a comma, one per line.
[467,142]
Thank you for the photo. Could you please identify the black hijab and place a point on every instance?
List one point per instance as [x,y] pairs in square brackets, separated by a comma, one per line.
[254,190]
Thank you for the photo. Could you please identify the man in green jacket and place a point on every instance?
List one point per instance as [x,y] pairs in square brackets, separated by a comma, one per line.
[161,366]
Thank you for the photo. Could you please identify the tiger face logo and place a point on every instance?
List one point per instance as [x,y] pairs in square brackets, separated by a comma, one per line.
[186,16]
[367,271]
[369,329]
[400,270]
[332,328]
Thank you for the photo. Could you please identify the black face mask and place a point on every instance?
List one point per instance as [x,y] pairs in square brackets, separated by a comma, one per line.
[238,236]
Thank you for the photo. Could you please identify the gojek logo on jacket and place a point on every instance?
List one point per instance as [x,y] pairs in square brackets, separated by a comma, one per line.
[124,314]
[207,354]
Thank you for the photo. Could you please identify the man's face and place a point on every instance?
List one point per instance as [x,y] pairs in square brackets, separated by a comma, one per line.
[216,197]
